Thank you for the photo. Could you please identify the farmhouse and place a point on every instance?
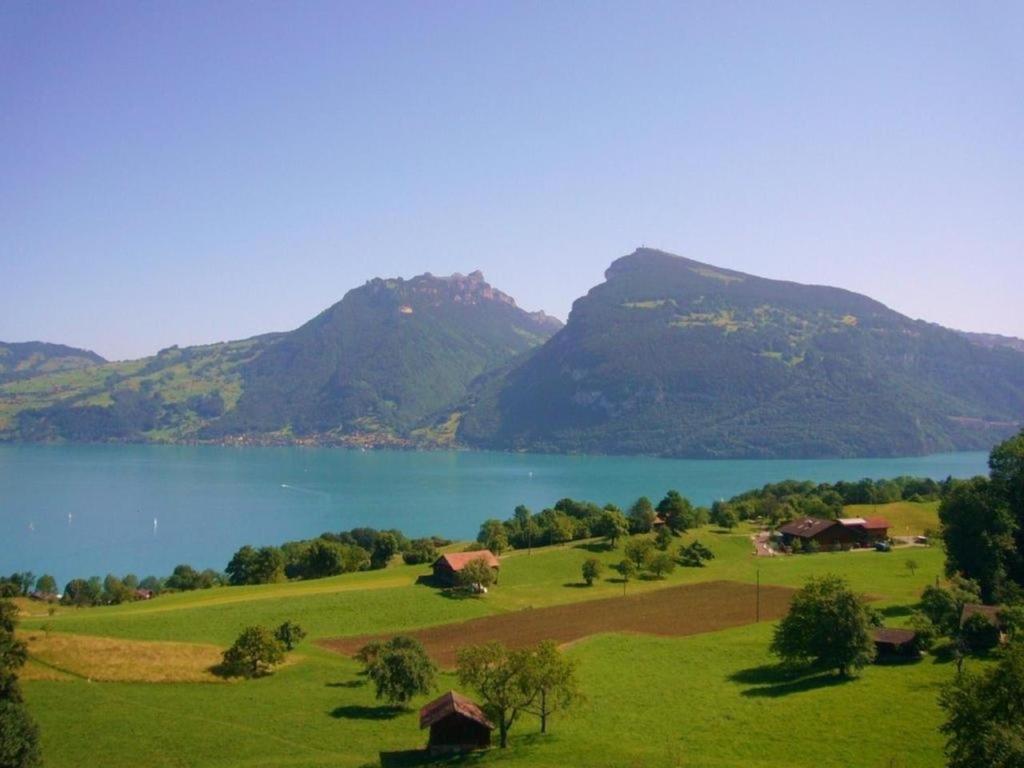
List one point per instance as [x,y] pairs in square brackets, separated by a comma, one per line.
[896,643]
[456,724]
[447,567]
[829,534]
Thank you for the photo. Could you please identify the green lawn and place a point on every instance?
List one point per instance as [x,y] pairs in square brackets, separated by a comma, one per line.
[706,700]
[906,518]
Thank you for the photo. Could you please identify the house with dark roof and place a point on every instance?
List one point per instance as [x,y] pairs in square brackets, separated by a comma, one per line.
[447,567]
[456,724]
[829,534]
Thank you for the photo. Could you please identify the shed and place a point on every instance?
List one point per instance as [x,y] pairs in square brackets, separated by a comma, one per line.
[896,643]
[447,567]
[456,724]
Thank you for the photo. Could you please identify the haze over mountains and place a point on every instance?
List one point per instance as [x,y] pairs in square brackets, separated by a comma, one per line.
[668,356]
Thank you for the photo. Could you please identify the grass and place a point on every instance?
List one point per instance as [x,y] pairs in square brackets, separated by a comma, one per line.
[118,660]
[704,700]
[906,518]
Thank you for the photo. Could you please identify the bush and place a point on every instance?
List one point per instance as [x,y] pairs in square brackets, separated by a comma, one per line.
[255,653]
[476,574]
[592,568]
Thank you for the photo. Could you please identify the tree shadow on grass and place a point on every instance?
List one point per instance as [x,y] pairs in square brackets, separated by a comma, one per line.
[594,546]
[359,712]
[347,684]
[459,594]
[413,757]
[576,584]
[774,680]
[895,611]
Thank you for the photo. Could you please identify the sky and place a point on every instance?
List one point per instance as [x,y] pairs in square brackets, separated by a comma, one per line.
[182,173]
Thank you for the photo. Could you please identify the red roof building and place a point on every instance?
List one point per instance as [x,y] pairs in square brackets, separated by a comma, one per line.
[447,567]
[456,724]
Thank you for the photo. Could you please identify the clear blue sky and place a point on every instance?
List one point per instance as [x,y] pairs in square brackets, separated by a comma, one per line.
[190,172]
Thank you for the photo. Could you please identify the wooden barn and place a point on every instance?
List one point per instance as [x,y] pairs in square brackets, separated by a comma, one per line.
[447,567]
[893,643]
[828,534]
[456,724]
[990,612]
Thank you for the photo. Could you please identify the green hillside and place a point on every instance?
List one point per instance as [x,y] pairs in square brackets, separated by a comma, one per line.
[673,357]
[23,360]
[370,368]
[389,354]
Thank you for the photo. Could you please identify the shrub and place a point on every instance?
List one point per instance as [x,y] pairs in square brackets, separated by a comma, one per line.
[254,654]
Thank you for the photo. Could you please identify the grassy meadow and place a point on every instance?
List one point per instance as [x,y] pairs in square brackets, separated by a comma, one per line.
[712,699]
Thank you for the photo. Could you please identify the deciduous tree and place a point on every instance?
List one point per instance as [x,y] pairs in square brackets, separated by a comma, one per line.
[400,669]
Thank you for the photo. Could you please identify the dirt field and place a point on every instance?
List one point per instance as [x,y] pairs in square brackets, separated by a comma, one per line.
[674,611]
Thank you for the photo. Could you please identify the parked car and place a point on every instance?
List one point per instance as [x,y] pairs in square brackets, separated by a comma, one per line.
[883,546]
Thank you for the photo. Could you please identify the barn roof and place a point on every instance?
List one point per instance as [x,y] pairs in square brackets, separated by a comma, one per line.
[876,523]
[891,636]
[806,527]
[852,521]
[459,560]
[452,703]
[990,612]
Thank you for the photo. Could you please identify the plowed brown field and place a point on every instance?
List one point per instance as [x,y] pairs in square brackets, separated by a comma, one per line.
[674,611]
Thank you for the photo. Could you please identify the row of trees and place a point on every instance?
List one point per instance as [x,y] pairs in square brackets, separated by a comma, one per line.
[113,590]
[538,680]
[19,736]
[777,502]
[330,554]
[571,520]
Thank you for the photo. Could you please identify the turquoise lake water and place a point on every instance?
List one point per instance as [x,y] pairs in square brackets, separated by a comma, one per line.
[81,510]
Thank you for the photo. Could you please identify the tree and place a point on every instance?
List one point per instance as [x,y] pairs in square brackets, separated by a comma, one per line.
[694,555]
[114,591]
[661,565]
[77,592]
[420,551]
[184,578]
[612,525]
[677,512]
[979,633]
[985,715]
[254,654]
[476,574]
[911,566]
[501,679]
[553,677]
[46,585]
[493,536]
[639,551]
[289,635]
[267,566]
[627,570]
[1006,470]
[385,548]
[663,538]
[401,669]
[592,568]
[827,625]
[943,606]
[641,516]
[153,584]
[19,736]
[241,566]
[977,529]
[723,515]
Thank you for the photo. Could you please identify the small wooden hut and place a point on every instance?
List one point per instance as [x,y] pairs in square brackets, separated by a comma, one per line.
[456,725]
[446,567]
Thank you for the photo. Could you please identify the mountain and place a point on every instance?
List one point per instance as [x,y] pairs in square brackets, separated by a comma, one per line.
[23,360]
[385,357]
[993,340]
[674,357]
[367,370]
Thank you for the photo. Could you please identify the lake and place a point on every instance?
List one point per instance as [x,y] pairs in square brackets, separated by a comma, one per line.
[82,510]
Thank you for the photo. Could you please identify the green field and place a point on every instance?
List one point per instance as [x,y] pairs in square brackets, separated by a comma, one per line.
[906,518]
[705,700]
